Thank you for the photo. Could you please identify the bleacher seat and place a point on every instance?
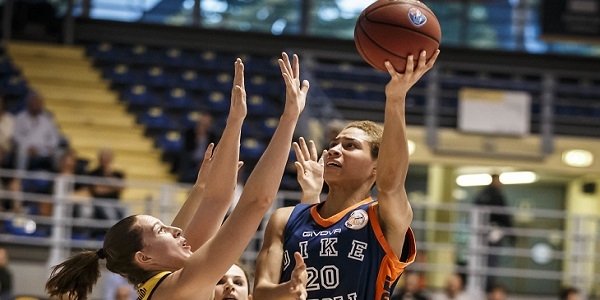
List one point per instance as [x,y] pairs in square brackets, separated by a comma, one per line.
[14,85]
[155,119]
[251,148]
[190,79]
[140,95]
[104,52]
[170,142]
[217,102]
[178,98]
[120,74]
[156,76]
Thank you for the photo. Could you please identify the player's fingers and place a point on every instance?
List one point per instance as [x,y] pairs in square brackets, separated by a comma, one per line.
[313,150]
[304,148]
[410,64]
[298,151]
[390,68]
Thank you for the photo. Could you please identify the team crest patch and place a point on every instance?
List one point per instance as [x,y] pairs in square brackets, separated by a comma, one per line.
[416,17]
[358,219]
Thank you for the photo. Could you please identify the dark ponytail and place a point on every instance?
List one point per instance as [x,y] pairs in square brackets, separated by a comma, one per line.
[74,278]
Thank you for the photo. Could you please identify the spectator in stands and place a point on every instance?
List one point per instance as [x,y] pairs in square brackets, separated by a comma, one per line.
[412,289]
[7,131]
[496,292]
[196,140]
[108,188]
[13,202]
[6,280]
[500,222]
[570,293]
[36,136]
[116,287]
[454,289]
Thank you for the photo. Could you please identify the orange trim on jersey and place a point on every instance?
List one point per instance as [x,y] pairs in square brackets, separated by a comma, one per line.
[391,267]
[335,218]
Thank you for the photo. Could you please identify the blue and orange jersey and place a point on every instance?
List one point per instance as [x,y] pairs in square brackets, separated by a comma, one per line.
[346,255]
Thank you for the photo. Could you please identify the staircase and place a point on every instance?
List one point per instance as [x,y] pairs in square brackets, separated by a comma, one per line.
[88,112]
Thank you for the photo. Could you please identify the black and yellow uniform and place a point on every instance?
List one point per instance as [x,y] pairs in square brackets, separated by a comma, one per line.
[146,290]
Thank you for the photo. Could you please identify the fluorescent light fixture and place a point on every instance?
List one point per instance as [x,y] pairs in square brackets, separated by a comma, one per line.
[412,147]
[517,177]
[473,179]
[578,158]
[505,178]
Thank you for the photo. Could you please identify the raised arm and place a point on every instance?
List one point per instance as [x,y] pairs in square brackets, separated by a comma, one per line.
[214,198]
[395,212]
[214,258]
[192,202]
[309,168]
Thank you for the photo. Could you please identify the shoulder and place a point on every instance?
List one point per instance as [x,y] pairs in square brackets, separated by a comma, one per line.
[282,215]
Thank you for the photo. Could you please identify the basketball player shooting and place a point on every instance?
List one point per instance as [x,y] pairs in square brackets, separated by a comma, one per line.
[350,246]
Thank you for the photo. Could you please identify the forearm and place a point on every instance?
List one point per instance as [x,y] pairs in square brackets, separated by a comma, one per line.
[213,200]
[392,163]
[264,181]
[189,207]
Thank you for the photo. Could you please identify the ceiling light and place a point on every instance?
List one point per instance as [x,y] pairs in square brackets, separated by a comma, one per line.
[473,179]
[578,158]
[517,177]
[412,147]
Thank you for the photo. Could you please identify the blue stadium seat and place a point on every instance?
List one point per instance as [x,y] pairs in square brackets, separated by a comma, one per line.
[156,76]
[121,74]
[257,85]
[223,82]
[14,85]
[257,105]
[6,67]
[173,57]
[192,80]
[217,102]
[139,95]
[179,98]
[105,52]
[156,119]
[140,54]
[170,142]
[251,148]
[269,125]
[189,120]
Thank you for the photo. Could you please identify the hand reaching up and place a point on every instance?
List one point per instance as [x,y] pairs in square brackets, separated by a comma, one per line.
[309,170]
[295,92]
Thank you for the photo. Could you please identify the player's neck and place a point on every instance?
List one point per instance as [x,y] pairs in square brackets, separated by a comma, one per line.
[340,199]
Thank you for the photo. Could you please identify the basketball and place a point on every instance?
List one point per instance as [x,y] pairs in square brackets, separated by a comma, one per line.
[394,29]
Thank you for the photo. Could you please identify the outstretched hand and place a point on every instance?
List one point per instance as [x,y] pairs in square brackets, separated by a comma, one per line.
[299,278]
[295,92]
[206,165]
[309,169]
[238,108]
[400,83]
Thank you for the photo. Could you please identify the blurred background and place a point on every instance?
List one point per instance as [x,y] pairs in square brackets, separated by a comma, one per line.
[133,90]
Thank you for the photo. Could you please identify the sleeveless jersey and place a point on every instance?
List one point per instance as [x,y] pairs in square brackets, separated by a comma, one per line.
[147,288]
[347,256]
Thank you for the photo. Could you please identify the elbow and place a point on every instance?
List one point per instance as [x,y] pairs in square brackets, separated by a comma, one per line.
[262,202]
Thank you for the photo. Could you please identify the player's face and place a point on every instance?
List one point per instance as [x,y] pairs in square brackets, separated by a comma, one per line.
[349,158]
[233,285]
[164,246]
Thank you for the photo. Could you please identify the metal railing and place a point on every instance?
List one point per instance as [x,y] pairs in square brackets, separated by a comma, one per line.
[547,246]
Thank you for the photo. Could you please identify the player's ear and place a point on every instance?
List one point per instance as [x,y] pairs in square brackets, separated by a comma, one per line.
[141,258]
[374,171]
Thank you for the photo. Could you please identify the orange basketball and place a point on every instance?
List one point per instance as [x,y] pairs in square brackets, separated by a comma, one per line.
[394,29]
